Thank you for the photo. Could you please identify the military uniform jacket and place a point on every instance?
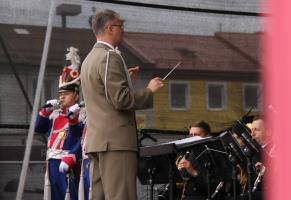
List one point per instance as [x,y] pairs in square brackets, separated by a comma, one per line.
[61,141]
[110,101]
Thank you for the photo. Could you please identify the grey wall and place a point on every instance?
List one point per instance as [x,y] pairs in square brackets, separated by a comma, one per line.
[140,19]
[14,109]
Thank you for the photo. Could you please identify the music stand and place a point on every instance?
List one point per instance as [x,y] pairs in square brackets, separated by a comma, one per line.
[235,155]
[212,161]
[253,148]
[158,168]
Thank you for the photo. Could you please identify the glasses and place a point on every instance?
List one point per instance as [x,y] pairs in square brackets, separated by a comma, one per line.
[121,26]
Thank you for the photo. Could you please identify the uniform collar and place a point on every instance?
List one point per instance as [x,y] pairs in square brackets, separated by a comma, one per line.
[106,44]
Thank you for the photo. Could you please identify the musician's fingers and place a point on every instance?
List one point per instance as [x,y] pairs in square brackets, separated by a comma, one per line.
[258,165]
[180,166]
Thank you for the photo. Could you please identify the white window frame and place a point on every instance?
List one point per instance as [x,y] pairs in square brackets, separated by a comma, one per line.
[258,98]
[224,96]
[187,97]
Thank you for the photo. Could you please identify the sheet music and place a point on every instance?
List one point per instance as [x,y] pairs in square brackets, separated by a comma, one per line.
[187,140]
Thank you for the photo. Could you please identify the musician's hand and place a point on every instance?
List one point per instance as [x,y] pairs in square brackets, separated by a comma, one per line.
[73,114]
[48,108]
[74,109]
[67,163]
[52,103]
[64,167]
[155,84]
[259,165]
[188,166]
[133,72]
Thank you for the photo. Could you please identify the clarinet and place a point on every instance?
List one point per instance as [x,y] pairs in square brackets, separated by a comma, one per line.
[259,178]
[219,186]
[184,174]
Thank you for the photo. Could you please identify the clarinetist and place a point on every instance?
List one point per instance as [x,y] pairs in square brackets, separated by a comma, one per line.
[195,184]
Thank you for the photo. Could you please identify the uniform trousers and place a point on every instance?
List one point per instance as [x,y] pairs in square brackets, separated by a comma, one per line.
[113,175]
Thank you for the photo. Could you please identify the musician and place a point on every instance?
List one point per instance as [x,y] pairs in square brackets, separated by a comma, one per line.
[262,135]
[80,130]
[196,186]
[63,146]
[241,186]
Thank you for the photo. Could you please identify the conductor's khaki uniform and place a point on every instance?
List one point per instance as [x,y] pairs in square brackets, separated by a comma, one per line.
[111,140]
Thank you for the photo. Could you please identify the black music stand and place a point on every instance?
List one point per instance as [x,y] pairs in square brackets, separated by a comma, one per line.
[213,163]
[158,168]
[235,156]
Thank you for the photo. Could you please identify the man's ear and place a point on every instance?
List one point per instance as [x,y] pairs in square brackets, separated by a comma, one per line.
[108,28]
[77,97]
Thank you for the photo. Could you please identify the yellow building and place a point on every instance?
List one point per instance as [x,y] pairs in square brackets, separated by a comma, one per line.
[218,80]
[197,104]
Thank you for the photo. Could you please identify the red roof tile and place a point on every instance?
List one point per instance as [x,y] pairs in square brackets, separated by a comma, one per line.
[224,52]
[203,53]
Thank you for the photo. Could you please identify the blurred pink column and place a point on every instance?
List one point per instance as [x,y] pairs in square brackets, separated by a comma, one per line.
[277,92]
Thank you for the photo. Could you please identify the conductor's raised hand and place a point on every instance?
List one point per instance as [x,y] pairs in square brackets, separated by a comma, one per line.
[133,72]
[155,84]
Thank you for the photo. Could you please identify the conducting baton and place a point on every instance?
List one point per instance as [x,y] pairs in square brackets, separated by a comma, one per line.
[172,70]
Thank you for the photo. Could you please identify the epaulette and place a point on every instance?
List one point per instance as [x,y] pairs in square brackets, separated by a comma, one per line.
[82,115]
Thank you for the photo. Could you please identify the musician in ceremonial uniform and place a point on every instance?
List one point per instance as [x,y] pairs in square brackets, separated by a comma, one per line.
[85,175]
[63,150]
[81,129]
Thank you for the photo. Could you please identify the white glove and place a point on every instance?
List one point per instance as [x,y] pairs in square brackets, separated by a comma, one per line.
[52,103]
[64,167]
[73,111]
[75,108]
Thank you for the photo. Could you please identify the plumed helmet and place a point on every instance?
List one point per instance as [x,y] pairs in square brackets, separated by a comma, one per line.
[70,76]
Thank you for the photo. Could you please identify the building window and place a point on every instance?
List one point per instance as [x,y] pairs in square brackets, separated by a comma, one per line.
[179,95]
[216,96]
[251,97]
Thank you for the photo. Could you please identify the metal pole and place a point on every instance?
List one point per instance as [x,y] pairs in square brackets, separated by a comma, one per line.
[36,103]
[15,73]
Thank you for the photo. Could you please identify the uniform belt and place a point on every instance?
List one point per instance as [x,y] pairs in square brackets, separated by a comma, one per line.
[56,153]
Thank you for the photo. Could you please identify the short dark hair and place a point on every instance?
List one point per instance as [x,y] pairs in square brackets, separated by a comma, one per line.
[203,125]
[99,20]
